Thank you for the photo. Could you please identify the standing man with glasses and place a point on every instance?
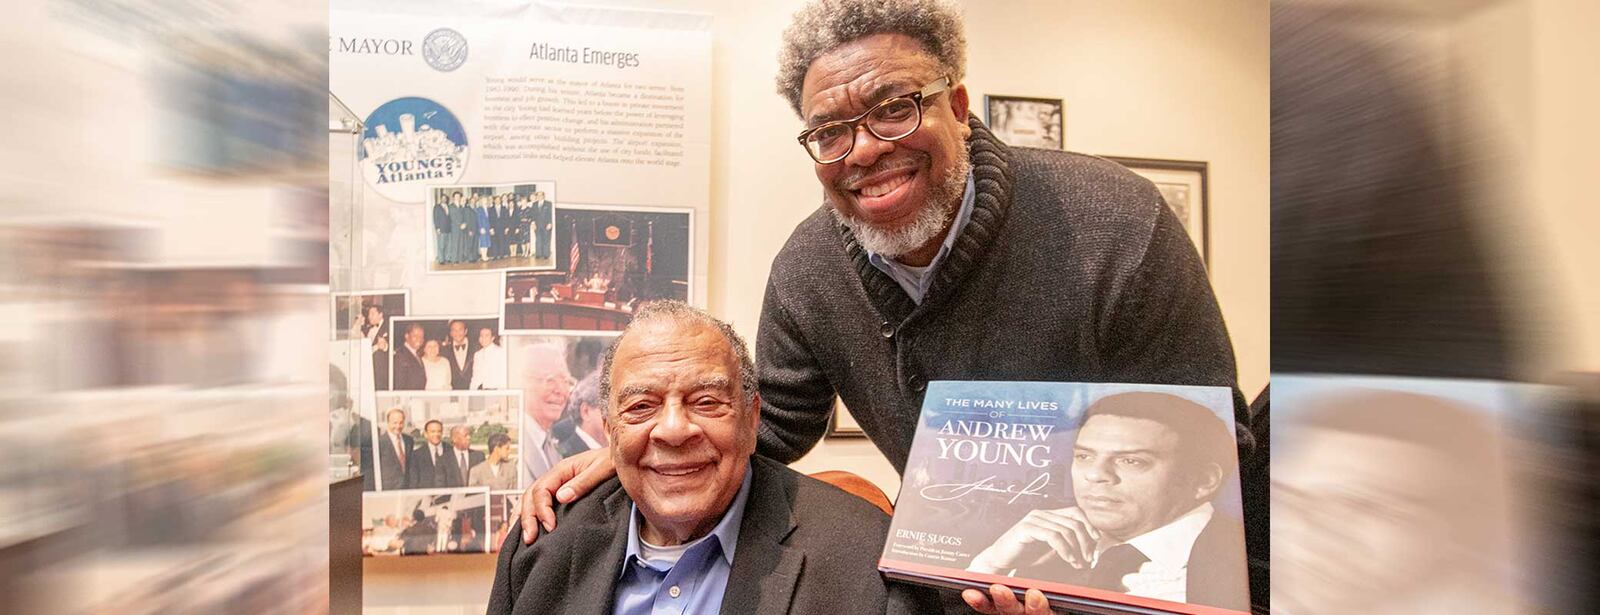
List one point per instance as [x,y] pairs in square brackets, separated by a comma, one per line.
[941,253]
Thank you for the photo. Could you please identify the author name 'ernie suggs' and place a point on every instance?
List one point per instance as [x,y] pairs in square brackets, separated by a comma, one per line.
[928,537]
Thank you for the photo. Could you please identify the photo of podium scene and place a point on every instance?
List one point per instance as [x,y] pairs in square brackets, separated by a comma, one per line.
[608,261]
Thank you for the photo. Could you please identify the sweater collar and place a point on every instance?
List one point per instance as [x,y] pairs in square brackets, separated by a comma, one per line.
[992,181]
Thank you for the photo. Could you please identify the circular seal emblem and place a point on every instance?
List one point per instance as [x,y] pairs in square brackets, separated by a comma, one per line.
[444,49]
[612,232]
[411,143]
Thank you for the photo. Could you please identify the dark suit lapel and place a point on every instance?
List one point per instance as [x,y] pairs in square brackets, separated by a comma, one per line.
[1217,575]
[765,571]
[594,579]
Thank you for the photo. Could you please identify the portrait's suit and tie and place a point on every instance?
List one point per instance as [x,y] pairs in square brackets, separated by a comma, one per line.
[460,367]
[1215,571]
[543,218]
[441,231]
[392,460]
[423,471]
[452,472]
[408,372]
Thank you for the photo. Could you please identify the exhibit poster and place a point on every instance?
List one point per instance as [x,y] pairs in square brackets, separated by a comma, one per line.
[498,100]
[492,130]
[1107,497]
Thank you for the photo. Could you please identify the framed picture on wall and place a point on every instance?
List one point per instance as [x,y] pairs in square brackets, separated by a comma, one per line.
[843,425]
[1025,122]
[1183,186]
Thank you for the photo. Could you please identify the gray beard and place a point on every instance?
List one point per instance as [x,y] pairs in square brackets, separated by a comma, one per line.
[929,223]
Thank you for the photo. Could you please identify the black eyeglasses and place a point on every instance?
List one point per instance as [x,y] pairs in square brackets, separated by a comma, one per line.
[891,120]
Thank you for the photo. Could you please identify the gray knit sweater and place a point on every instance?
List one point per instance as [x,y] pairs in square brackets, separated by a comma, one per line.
[1072,269]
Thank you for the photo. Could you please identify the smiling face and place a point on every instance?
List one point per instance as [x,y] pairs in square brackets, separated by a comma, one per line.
[1128,477]
[901,194]
[434,431]
[681,431]
[395,420]
[546,382]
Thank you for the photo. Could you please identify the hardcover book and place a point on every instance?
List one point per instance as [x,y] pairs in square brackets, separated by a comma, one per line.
[1109,498]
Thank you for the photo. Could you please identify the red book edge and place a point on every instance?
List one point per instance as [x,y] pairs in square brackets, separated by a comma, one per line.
[1057,588]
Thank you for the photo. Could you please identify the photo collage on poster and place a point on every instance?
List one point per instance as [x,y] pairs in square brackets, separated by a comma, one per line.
[470,408]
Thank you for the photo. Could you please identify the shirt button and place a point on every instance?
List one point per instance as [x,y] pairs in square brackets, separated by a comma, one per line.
[674,591]
[886,329]
[917,384]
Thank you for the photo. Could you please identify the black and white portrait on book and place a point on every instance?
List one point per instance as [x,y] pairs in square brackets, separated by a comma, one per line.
[1145,468]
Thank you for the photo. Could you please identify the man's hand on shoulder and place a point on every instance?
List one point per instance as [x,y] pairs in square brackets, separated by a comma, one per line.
[571,479]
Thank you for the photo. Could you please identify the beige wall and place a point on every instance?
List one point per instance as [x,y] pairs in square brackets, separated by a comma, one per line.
[1149,78]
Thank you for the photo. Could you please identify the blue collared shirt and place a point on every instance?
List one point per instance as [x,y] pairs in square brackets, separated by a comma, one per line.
[915,280]
[695,585]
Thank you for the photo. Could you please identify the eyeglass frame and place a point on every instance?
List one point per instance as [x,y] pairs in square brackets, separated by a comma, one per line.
[935,88]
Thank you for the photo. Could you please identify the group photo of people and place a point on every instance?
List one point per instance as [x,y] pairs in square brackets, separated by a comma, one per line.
[438,441]
[491,227]
[442,354]
[561,406]
[366,314]
[424,523]
[608,261]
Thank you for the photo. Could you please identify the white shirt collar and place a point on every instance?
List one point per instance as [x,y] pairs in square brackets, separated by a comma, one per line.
[537,434]
[587,439]
[1169,545]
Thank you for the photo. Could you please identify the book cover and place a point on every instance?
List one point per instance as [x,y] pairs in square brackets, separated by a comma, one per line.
[1110,498]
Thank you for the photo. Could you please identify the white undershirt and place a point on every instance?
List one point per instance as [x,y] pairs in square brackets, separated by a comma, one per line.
[664,557]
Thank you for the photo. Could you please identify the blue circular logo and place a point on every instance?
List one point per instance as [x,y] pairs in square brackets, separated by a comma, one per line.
[444,49]
[409,144]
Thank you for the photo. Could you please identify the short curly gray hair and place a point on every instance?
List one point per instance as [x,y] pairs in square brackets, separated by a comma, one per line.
[826,24]
[682,313]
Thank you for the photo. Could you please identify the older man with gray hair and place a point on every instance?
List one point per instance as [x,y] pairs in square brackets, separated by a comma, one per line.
[694,520]
[546,382]
[582,425]
[939,252]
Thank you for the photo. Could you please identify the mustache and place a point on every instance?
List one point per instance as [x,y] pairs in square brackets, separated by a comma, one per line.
[897,163]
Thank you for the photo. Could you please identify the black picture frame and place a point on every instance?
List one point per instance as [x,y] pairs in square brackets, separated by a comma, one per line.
[1002,130]
[1168,173]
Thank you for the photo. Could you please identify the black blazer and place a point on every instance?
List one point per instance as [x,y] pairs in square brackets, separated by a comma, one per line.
[394,475]
[450,472]
[441,218]
[408,372]
[567,441]
[1216,575]
[420,470]
[804,547]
